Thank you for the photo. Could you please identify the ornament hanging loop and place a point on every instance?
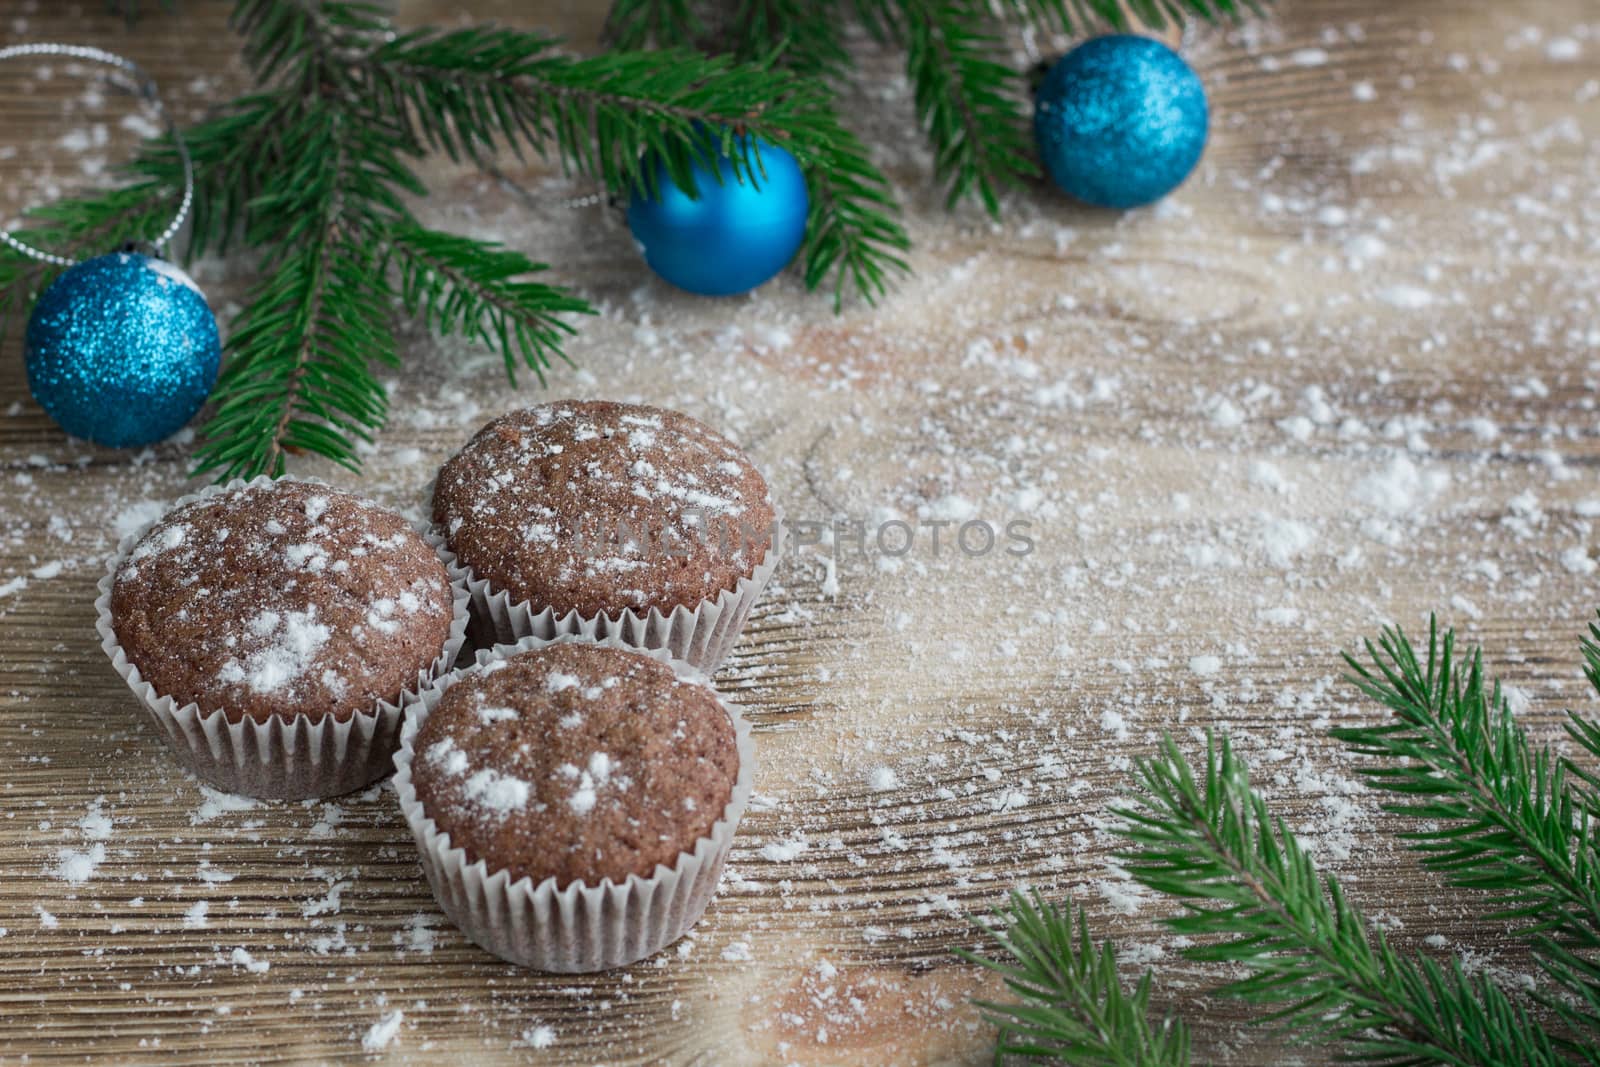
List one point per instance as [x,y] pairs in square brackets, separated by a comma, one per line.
[145,88]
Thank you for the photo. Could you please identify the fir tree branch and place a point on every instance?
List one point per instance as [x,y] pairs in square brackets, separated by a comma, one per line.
[967,99]
[470,90]
[1587,733]
[1071,1005]
[803,35]
[299,376]
[1496,814]
[471,289]
[1251,890]
[1074,17]
[635,24]
[851,232]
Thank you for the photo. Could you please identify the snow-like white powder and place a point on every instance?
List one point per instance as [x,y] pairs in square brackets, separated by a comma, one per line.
[170,272]
[216,803]
[448,755]
[496,794]
[1562,49]
[1205,665]
[501,794]
[76,868]
[491,715]
[241,957]
[590,780]
[195,917]
[1405,297]
[1399,488]
[784,851]
[539,1036]
[295,639]
[882,779]
[1284,539]
[309,556]
[381,1033]
[556,681]
[1576,561]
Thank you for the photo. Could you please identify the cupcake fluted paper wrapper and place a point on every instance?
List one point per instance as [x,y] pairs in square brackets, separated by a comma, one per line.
[277,759]
[701,636]
[579,928]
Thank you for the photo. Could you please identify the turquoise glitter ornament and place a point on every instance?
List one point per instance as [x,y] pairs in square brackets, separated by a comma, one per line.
[122,350]
[1121,121]
[732,235]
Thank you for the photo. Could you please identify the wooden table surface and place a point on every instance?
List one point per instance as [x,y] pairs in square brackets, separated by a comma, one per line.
[1344,377]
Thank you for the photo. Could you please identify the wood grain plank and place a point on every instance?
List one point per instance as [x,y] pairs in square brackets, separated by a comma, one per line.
[1347,375]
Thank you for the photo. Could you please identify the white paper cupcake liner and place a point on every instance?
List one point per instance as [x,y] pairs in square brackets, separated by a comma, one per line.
[581,928]
[278,759]
[701,636]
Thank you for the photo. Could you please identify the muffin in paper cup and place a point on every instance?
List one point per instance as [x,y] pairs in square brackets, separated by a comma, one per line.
[702,636]
[607,520]
[280,752]
[538,919]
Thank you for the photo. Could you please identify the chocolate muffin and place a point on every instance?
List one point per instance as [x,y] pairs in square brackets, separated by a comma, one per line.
[596,507]
[281,599]
[575,761]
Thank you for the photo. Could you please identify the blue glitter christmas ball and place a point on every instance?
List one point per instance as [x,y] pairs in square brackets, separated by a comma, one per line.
[122,350]
[731,236]
[1121,121]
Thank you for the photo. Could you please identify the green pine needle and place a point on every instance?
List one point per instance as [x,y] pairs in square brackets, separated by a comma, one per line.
[320,160]
[1083,16]
[1253,897]
[969,101]
[636,24]
[803,35]
[314,172]
[298,377]
[1493,812]
[477,290]
[1071,1005]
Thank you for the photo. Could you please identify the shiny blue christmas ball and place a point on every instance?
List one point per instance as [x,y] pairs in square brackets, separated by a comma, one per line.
[122,350]
[731,236]
[1120,120]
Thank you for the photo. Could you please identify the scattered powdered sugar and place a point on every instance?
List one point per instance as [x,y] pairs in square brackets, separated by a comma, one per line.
[556,681]
[171,272]
[294,640]
[241,957]
[76,868]
[560,682]
[491,715]
[1254,423]
[449,757]
[589,781]
[381,1033]
[1400,487]
[495,794]
[215,803]
[500,794]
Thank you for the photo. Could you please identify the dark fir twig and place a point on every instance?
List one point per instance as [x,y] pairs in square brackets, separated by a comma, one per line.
[314,172]
[968,98]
